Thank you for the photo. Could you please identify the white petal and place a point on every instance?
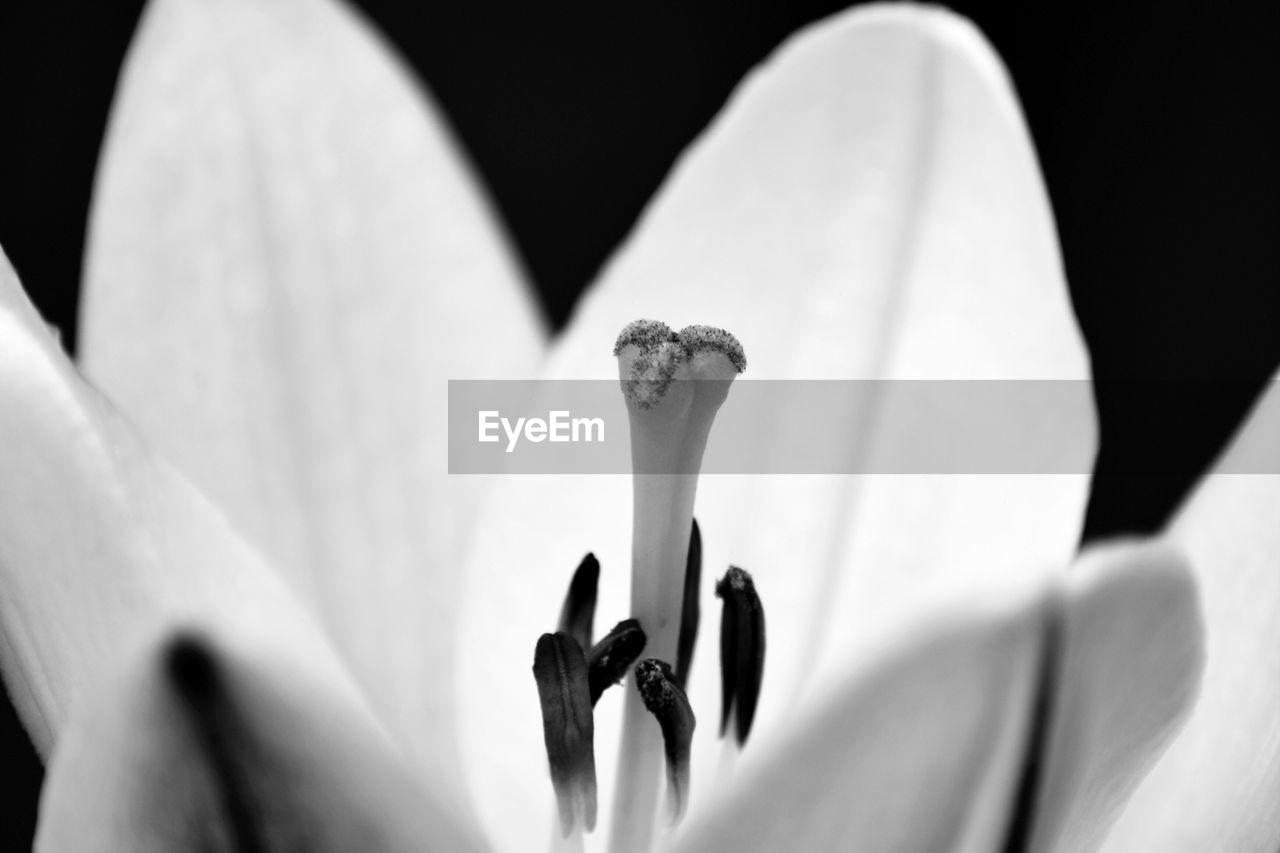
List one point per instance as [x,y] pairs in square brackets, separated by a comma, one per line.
[286,262]
[103,547]
[921,751]
[1132,647]
[1218,787]
[191,749]
[869,206]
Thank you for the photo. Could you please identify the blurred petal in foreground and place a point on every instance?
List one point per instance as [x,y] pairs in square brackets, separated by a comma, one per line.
[1127,671]
[1218,787]
[919,752]
[926,750]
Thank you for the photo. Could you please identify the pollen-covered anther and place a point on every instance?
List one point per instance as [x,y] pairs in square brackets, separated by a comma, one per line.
[609,659]
[741,651]
[560,670]
[669,705]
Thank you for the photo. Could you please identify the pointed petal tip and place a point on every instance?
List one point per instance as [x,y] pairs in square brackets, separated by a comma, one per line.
[948,30]
[934,21]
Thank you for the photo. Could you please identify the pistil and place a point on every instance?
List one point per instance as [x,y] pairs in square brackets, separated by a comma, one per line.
[673,384]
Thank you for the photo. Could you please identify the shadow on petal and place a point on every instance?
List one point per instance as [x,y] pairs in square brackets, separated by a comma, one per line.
[196,750]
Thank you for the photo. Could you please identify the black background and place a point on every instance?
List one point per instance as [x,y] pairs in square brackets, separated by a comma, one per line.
[1156,127]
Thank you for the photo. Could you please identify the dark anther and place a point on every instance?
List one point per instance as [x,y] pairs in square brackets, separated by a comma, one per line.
[610,658]
[667,702]
[690,613]
[560,668]
[578,614]
[741,650]
[197,679]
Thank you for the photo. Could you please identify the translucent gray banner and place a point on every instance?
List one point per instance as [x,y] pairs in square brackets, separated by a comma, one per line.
[1031,427]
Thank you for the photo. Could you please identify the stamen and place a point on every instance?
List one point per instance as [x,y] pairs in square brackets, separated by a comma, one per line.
[577,616]
[691,614]
[609,659]
[670,420]
[741,650]
[670,706]
[560,669]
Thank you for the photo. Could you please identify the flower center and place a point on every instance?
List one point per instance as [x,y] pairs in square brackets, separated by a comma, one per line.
[674,384]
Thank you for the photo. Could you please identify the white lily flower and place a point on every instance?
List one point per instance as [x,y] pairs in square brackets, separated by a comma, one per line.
[313,637]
